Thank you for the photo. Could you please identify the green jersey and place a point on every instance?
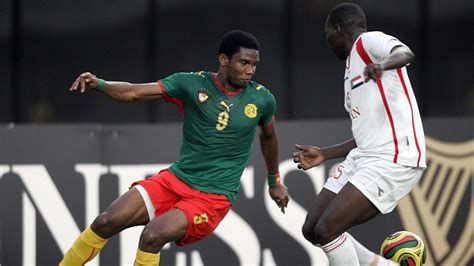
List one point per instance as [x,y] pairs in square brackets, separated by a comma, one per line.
[218,129]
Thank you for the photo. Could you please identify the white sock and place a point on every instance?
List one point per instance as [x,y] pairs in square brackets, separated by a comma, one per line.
[340,251]
[367,257]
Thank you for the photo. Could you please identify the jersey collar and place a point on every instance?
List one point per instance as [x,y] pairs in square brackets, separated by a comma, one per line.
[231,93]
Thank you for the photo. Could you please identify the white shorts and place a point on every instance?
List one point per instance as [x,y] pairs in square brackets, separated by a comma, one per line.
[382,182]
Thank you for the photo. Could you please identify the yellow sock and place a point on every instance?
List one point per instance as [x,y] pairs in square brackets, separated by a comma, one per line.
[147,259]
[84,249]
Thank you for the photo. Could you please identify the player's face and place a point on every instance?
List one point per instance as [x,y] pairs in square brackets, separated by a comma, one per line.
[335,42]
[242,66]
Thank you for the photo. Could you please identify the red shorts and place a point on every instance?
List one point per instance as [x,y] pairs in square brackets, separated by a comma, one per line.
[204,211]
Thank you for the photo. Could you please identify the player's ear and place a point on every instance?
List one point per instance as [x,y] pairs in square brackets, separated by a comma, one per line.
[223,60]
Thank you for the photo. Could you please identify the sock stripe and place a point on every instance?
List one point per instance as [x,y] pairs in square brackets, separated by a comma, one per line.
[335,243]
[90,256]
[332,243]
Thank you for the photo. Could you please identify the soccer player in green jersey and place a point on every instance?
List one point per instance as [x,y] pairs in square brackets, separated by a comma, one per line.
[186,202]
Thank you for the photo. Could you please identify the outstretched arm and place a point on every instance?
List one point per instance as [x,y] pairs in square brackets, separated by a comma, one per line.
[269,145]
[399,56]
[310,156]
[117,90]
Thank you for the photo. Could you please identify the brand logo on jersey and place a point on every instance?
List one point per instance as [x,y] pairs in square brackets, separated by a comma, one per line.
[356,82]
[227,107]
[259,87]
[200,218]
[380,190]
[203,96]
[250,110]
[436,208]
[200,73]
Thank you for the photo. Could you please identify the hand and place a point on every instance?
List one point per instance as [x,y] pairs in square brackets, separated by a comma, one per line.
[85,81]
[373,71]
[308,156]
[279,194]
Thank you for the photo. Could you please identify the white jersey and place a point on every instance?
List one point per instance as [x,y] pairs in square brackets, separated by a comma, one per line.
[385,118]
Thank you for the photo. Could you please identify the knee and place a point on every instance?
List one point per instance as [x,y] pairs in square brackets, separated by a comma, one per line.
[105,225]
[153,239]
[308,232]
[324,233]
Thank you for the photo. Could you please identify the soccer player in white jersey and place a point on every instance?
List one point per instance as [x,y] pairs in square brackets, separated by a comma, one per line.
[386,156]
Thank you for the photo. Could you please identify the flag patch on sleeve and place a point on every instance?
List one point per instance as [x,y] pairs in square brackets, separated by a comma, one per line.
[356,82]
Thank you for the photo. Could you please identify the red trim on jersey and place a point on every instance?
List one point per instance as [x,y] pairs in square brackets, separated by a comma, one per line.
[389,114]
[269,123]
[174,100]
[365,57]
[166,97]
[228,93]
[402,80]
[362,53]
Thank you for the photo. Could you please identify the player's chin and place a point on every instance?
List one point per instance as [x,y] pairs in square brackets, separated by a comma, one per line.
[338,53]
[240,84]
[341,56]
[244,82]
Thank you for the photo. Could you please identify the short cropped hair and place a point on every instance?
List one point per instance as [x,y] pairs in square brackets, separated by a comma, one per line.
[347,14]
[233,40]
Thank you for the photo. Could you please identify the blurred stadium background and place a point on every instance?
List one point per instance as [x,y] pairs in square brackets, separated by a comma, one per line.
[44,45]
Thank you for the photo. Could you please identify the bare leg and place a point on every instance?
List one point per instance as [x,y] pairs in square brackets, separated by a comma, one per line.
[170,226]
[126,211]
[324,198]
[350,207]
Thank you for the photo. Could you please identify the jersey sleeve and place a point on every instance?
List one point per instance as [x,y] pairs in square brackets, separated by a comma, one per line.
[174,86]
[269,108]
[379,45]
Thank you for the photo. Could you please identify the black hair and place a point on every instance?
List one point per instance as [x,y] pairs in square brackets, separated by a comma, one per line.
[347,15]
[233,40]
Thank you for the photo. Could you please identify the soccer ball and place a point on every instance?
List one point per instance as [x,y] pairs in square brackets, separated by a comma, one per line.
[405,248]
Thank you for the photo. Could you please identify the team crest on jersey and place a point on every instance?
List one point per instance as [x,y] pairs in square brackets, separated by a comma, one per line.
[250,110]
[203,96]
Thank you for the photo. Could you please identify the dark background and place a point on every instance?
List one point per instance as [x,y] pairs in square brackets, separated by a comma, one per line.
[45,44]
